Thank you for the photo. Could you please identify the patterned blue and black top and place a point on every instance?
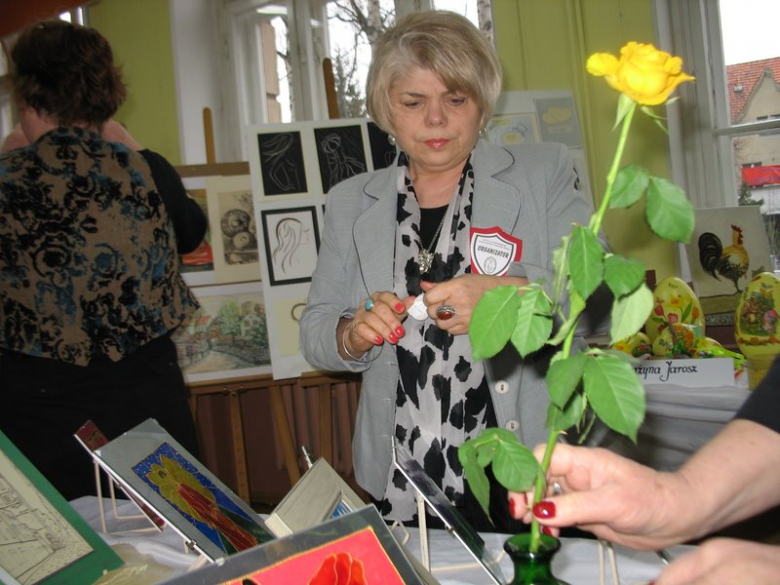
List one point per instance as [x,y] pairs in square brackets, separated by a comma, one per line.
[88,248]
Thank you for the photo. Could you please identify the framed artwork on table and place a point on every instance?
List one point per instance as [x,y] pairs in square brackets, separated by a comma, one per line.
[45,541]
[358,544]
[292,242]
[438,503]
[155,468]
[320,494]
[227,337]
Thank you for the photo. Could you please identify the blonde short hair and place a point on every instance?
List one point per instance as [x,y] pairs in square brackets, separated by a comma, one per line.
[445,43]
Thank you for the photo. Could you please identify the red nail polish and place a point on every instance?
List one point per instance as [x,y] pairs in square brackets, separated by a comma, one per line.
[545,509]
[512,507]
[399,308]
[547,530]
[392,338]
[378,340]
[399,331]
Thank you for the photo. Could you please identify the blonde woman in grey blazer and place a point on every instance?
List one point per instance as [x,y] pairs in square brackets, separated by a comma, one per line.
[482,216]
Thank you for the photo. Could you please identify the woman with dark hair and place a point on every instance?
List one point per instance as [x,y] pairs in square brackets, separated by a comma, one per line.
[90,293]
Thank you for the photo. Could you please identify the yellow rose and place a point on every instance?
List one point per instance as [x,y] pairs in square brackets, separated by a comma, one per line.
[643,73]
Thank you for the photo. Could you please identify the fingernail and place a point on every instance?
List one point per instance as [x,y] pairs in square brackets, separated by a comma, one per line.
[547,530]
[378,340]
[399,331]
[511,506]
[399,308]
[392,338]
[545,509]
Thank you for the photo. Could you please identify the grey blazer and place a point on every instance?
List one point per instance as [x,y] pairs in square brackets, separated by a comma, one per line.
[529,192]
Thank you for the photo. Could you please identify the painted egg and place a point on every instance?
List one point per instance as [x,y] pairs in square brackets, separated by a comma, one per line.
[637,345]
[677,340]
[757,322]
[673,302]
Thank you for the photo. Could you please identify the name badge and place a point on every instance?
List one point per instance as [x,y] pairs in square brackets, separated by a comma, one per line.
[493,251]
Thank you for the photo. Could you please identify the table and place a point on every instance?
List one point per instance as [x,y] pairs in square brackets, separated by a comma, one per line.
[153,556]
[678,421]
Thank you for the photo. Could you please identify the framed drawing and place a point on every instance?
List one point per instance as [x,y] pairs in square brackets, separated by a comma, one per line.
[197,267]
[292,242]
[227,336]
[154,467]
[44,538]
[281,161]
[383,153]
[318,496]
[358,544]
[341,151]
[728,247]
[438,502]
[234,229]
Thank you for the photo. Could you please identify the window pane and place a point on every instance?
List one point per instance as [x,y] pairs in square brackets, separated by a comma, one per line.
[751,49]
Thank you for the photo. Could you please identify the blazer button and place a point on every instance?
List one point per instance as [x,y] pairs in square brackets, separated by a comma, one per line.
[502,386]
[512,425]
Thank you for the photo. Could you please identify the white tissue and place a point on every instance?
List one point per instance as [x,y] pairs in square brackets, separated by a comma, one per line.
[418,310]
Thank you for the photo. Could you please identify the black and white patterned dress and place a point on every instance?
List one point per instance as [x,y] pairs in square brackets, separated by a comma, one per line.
[442,397]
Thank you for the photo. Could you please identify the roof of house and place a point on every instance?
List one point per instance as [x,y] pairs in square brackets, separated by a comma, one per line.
[747,75]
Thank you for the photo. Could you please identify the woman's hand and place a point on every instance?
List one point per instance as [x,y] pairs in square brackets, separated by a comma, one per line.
[378,319]
[724,561]
[615,498]
[462,294]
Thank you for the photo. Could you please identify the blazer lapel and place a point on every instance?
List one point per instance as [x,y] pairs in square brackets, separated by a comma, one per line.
[496,203]
[374,231]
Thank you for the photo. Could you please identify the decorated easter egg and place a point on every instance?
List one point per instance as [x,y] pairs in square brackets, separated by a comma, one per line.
[637,345]
[756,322]
[677,340]
[673,302]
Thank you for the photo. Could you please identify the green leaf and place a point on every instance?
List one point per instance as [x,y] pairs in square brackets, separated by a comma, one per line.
[630,184]
[562,419]
[586,261]
[669,212]
[623,275]
[476,476]
[493,321]
[615,394]
[533,322]
[576,306]
[560,257]
[515,466]
[630,312]
[563,377]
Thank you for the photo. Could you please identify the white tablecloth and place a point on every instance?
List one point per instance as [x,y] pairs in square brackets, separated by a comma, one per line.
[678,422]
[153,556]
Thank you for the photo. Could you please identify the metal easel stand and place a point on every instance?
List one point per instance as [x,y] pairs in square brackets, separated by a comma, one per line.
[114,509]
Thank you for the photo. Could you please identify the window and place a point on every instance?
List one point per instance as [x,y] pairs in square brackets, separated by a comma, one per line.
[727,121]
[279,47]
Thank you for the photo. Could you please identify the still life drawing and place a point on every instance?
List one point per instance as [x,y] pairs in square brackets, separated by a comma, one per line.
[201,502]
[227,335]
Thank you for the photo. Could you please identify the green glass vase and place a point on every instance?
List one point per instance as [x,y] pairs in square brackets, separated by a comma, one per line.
[533,568]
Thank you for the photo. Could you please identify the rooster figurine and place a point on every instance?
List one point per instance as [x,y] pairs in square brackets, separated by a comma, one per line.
[731,262]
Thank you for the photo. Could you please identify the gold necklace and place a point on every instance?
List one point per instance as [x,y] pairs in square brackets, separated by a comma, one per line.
[425,255]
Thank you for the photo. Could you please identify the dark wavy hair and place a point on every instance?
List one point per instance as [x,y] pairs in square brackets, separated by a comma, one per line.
[67,72]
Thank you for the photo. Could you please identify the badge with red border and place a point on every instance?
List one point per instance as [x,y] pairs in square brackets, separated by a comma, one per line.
[493,251]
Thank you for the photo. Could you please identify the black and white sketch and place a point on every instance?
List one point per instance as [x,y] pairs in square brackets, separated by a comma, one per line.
[340,152]
[281,162]
[382,151]
[292,242]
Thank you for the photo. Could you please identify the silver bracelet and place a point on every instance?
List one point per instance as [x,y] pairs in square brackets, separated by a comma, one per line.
[346,351]
[344,343]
